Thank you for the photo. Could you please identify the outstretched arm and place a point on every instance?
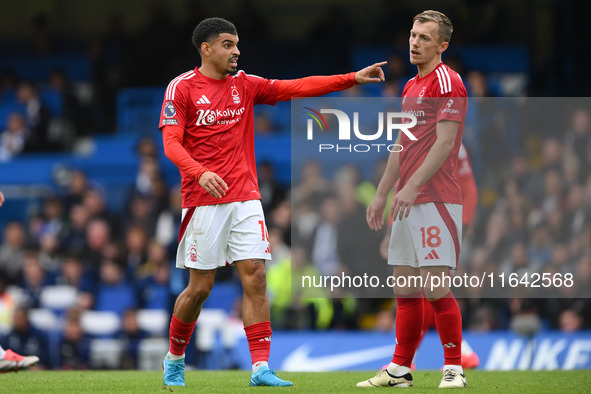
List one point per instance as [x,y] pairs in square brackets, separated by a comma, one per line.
[321,85]
[1,199]
[172,137]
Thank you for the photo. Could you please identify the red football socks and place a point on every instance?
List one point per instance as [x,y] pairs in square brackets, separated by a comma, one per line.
[180,333]
[259,341]
[409,323]
[428,318]
[449,325]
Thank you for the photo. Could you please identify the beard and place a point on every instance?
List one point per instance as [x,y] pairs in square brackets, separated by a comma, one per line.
[231,70]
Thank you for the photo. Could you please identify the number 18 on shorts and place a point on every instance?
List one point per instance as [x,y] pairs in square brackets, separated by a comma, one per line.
[430,236]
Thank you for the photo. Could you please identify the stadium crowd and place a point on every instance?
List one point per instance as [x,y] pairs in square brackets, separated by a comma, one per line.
[534,215]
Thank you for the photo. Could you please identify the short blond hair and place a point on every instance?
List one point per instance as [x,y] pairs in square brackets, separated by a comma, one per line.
[445,26]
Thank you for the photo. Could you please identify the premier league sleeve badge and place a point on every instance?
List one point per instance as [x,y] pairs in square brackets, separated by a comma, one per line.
[169,110]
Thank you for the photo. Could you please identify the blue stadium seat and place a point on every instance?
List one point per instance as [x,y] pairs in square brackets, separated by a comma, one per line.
[138,110]
[223,296]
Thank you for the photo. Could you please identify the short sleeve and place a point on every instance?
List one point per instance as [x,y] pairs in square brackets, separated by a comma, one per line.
[452,101]
[174,106]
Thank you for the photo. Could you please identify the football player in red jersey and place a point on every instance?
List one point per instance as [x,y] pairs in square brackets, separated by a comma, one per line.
[427,207]
[208,133]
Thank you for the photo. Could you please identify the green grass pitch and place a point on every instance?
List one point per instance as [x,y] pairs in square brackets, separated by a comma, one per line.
[305,382]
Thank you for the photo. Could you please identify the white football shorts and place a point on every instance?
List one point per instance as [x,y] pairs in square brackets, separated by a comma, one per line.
[430,236]
[213,236]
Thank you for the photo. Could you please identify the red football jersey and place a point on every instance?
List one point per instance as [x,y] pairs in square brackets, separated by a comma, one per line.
[439,95]
[217,116]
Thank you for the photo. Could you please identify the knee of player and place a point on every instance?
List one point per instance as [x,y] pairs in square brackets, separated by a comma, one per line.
[435,292]
[199,293]
[256,282]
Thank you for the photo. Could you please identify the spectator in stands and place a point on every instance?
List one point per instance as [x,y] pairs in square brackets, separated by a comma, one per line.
[272,193]
[73,236]
[570,321]
[37,120]
[12,252]
[478,84]
[12,140]
[552,191]
[135,253]
[517,261]
[396,75]
[74,346]
[73,116]
[149,170]
[153,277]
[73,273]
[94,200]
[278,246]
[169,220]
[281,218]
[151,186]
[311,182]
[296,307]
[324,254]
[141,214]
[49,256]
[34,278]
[76,186]
[132,335]
[53,216]
[540,247]
[24,339]
[98,239]
[114,293]
[263,124]
[147,149]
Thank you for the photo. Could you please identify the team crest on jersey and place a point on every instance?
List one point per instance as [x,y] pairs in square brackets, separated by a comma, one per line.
[421,94]
[235,95]
[169,110]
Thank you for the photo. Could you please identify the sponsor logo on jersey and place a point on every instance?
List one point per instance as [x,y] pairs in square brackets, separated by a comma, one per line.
[208,117]
[449,109]
[203,100]
[416,113]
[432,256]
[169,122]
[169,110]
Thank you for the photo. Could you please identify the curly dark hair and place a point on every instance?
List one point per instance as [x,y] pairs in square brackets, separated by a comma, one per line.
[209,29]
